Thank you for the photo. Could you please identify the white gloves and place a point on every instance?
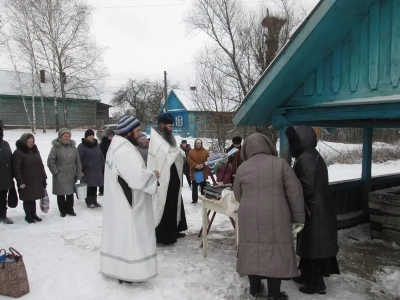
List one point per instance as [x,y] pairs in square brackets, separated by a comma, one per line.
[297,227]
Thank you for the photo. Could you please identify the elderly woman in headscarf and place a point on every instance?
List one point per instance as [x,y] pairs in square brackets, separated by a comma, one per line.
[64,164]
[29,172]
[271,200]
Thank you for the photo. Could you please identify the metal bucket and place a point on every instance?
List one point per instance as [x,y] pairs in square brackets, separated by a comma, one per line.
[81,190]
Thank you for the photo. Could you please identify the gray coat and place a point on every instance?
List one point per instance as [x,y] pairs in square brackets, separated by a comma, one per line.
[64,164]
[271,199]
[144,151]
[92,161]
[6,177]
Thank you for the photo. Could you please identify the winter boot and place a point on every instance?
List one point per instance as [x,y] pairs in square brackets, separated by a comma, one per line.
[28,212]
[280,296]
[34,215]
[3,217]
[316,287]
[95,203]
[258,295]
[88,201]
[299,279]
[70,205]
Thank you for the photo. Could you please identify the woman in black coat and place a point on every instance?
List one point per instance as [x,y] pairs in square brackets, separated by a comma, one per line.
[92,161]
[29,172]
[317,243]
[104,145]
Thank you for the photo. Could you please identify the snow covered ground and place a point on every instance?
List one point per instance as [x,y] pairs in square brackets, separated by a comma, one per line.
[62,254]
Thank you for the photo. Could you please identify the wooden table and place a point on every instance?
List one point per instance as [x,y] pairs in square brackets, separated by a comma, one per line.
[213,205]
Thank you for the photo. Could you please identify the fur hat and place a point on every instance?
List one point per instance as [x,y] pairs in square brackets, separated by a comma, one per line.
[184,142]
[127,124]
[236,140]
[165,118]
[142,137]
[108,132]
[63,131]
[89,132]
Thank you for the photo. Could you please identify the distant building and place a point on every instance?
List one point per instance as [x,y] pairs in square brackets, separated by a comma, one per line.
[84,105]
[189,118]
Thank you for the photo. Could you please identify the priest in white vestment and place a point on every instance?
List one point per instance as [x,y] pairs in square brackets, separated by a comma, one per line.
[166,157]
[128,244]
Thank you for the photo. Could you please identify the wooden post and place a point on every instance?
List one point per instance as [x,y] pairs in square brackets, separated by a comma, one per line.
[284,151]
[366,165]
[165,92]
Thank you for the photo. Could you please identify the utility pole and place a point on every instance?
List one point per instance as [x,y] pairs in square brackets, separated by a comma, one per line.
[165,92]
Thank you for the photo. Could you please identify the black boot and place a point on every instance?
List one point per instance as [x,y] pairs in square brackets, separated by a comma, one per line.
[89,202]
[317,286]
[70,205]
[34,215]
[28,212]
[3,217]
[95,203]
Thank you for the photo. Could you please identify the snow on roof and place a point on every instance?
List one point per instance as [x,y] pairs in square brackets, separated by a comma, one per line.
[189,101]
[9,85]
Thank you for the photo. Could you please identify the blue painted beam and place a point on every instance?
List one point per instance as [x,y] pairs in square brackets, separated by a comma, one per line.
[367,155]
[284,146]
[349,112]
[281,120]
[306,50]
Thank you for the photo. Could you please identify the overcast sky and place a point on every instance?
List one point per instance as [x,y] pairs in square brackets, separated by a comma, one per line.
[145,37]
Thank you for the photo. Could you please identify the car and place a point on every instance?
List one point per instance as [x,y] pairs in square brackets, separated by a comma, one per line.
[100,131]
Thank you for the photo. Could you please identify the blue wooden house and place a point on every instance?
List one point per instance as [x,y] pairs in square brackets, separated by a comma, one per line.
[341,68]
[189,116]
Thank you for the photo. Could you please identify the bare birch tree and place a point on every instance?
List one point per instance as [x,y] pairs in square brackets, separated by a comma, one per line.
[243,43]
[60,43]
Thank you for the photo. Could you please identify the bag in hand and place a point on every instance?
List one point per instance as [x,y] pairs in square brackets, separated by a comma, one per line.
[12,197]
[45,202]
[13,278]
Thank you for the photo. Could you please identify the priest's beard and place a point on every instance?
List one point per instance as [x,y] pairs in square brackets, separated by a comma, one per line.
[132,140]
[168,136]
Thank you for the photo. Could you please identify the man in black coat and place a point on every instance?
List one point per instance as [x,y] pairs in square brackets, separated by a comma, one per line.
[317,243]
[104,145]
[186,168]
[6,177]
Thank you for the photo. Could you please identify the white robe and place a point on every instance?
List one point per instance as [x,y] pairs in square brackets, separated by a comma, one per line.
[161,157]
[128,244]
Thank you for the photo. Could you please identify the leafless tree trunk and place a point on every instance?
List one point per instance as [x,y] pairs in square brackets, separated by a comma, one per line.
[20,85]
[243,44]
[57,40]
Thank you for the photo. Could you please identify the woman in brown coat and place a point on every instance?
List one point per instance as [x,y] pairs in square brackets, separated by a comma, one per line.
[271,200]
[30,175]
[196,159]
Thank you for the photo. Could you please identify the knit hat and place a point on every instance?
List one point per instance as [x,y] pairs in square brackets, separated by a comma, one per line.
[89,132]
[236,140]
[142,137]
[165,118]
[184,142]
[62,131]
[108,132]
[127,124]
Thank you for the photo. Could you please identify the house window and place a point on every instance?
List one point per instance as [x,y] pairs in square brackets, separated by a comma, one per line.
[197,119]
[179,121]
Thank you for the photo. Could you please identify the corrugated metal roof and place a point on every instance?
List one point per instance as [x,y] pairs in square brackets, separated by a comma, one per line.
[9,85]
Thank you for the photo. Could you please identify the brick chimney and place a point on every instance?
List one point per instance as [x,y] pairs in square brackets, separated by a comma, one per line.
[42,76]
